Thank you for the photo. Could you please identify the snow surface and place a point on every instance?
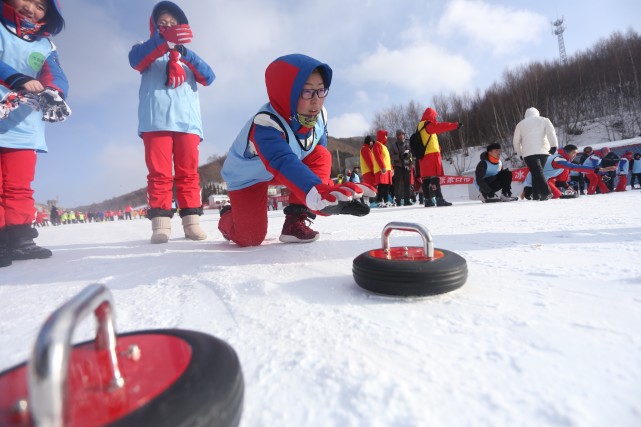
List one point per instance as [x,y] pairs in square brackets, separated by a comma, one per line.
[546,331]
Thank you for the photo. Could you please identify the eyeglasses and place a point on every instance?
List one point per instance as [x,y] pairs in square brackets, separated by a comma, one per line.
[309,93]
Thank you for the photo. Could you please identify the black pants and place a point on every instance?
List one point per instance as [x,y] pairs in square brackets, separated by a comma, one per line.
[401,184]
[535,164]
[638,178]
[501,181]
[432,187]
[382,193]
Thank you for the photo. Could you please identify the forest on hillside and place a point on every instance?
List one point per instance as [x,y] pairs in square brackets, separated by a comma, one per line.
[601,84]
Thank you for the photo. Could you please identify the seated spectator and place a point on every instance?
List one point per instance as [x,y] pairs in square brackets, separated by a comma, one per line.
[578,177]
[490,176]
[355,177]
[609,158]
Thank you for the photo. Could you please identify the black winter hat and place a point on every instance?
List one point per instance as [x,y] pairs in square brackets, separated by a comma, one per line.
[494,146]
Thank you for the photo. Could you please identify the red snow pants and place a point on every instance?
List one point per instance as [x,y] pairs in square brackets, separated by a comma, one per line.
[623,182]
[246,223]
[161,150]
[595,180]
[17,171]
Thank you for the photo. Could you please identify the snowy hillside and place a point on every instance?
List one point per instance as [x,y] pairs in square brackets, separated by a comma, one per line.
[544,333]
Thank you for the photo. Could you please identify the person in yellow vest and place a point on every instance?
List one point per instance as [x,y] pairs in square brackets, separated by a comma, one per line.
[382,168]
[367,162]
[431,165]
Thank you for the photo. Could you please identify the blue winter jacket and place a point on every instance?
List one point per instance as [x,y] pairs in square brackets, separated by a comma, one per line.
[272,144]
[161,107]
[623,167]
[22,59]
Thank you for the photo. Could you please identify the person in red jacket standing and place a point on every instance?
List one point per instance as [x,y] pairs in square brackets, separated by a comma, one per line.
[431,164]
[382,168]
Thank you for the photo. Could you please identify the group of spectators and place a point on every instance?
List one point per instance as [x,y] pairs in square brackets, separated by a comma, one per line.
[553,172]
[400,177]
[57,216]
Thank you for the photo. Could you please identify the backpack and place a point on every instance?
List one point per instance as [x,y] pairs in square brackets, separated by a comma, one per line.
[416,143]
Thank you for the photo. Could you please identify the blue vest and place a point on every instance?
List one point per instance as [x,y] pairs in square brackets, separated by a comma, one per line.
[548,170]
[636,166]
[162,108]
[244,168]
[24,128]
[491,170]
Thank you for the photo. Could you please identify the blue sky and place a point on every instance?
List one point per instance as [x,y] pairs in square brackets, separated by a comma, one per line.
[382,53]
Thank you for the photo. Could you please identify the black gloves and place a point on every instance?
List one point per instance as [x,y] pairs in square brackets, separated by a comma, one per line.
[54,108]
[460,125]
[552,150]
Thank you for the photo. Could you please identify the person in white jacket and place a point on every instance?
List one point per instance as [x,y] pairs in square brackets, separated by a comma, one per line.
[534,140]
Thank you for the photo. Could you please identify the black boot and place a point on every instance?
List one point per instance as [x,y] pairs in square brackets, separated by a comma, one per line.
[442,202]
[430,199]
[22,245]
[5,252]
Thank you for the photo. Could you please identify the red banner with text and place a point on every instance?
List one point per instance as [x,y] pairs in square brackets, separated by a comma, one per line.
[517,175]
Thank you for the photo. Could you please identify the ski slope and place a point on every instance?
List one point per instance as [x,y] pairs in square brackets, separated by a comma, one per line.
[546,331]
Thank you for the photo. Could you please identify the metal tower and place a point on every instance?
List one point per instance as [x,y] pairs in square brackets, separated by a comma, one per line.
[558,30]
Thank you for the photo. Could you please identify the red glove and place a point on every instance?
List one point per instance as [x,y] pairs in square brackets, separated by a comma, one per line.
[323,195]
[175,72]
[359,190]
[178,34]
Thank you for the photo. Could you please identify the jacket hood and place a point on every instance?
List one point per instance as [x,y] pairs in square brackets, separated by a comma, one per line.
[50,25]
[381,136]
[166,6]
[532,112]
[484,155]
[563,153]
[429,115]
[54,22]
[285,78]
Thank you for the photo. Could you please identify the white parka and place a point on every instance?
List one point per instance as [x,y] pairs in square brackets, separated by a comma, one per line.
[534,134]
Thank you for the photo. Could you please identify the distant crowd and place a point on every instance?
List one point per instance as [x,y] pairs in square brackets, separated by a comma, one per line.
[57,216]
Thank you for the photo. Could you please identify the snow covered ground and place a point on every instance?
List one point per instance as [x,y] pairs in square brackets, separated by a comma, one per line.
[546,331]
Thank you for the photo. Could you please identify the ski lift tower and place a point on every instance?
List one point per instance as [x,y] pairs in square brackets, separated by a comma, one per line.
[558,30]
